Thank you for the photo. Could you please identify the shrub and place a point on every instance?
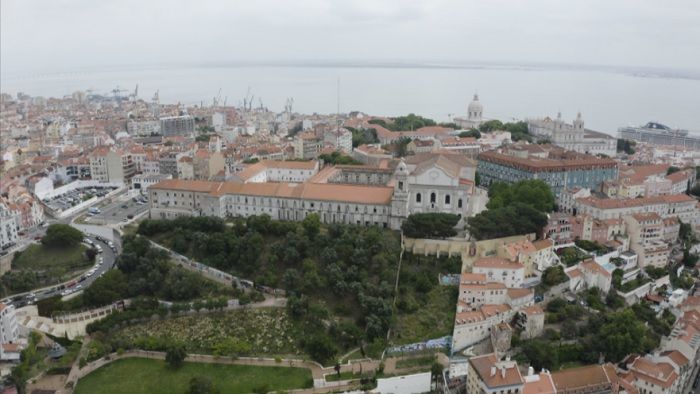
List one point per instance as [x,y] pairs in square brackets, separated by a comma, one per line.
[61,236]
[175,355]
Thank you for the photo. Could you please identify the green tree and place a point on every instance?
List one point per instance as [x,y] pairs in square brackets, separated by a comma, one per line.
[175,355]
[568,329]
[436,373]
[363,136]
[311,225]
[409,122]
[554,275]
[541,354]
[430,225]
[514,219]
[656,272]
[337,158]
[62,236]
[320,347]
[622,334]
[617,275]
[112,286]
[491,125]
[672,169]
[201,385]
[614,300]
[473,133]
[626,146]
[535,193]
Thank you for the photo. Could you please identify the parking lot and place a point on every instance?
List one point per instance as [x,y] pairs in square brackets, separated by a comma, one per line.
[121,210]
[75,197]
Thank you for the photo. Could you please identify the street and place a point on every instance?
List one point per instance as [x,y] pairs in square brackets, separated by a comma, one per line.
[108,256]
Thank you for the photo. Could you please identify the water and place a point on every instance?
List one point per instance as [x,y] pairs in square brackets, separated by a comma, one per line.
[607,100]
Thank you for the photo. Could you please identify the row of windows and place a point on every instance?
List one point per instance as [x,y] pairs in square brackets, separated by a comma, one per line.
[433,199]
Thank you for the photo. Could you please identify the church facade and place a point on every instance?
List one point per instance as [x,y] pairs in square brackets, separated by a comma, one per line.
[573,136]
[433,183]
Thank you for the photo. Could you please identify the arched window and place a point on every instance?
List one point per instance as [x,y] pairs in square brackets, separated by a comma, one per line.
[447,198]
[432,197]
[418,197]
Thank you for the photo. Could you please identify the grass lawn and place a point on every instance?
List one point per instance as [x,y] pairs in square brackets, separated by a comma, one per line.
[140,375]
[416,362]
[52,264]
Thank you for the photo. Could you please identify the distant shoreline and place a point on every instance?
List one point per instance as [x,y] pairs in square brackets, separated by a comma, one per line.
[632,71]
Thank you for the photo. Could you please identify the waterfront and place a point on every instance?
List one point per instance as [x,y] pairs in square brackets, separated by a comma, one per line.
[606,99]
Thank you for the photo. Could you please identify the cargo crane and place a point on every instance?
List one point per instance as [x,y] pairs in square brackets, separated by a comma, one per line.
[135,95]
[117,92]
[248,101]
[217,99]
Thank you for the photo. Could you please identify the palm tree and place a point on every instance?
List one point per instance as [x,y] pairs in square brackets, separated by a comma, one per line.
[436,372]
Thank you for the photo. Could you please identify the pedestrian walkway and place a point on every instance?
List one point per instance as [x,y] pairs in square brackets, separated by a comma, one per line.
[29,318]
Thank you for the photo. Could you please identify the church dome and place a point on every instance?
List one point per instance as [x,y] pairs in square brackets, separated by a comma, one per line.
[475,111]
[475,105]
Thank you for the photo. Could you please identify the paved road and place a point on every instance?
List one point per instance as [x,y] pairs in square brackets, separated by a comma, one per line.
[108,259]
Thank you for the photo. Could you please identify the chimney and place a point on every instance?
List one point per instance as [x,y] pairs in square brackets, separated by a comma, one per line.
[530,371]
[493,371]
[503,372]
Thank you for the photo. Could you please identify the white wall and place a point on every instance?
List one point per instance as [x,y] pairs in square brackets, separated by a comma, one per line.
[79,184]
[409,384]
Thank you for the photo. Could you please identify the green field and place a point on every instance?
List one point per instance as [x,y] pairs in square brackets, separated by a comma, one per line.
[425,361]
[140,375]
[53,265]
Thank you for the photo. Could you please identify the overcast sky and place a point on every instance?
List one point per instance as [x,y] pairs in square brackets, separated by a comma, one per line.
[58,35]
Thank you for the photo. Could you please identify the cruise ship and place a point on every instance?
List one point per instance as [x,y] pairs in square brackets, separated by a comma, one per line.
[659,134]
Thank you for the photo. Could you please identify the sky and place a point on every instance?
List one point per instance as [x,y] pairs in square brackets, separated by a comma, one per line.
[63,35]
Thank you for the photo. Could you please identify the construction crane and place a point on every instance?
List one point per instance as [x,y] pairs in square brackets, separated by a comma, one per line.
[248,100]
[288,106]
[217,99]
[135,95]
[117,92]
